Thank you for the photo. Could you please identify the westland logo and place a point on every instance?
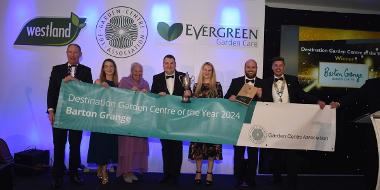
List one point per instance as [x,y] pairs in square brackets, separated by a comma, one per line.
[169,33]
[47,31]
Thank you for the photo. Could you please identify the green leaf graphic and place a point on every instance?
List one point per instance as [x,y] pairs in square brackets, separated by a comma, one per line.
[169,33]
[74,19]
[82,25]
[175,31]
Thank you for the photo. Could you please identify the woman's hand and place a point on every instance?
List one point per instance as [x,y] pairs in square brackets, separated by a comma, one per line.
[105,84]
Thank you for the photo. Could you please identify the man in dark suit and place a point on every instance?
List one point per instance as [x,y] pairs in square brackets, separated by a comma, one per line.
[240,168]
[282,88]
[168,82]
[366,96]
[71,70]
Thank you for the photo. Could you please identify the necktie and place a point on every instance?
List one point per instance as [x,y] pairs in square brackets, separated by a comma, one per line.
[277,79]
[169,76]
[249,80]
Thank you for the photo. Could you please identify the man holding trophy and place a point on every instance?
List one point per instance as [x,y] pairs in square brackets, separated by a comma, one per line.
[168,82]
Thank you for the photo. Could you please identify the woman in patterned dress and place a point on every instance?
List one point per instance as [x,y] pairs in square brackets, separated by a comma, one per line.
[206,87]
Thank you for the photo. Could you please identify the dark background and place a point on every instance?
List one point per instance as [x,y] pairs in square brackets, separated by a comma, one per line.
[350,150]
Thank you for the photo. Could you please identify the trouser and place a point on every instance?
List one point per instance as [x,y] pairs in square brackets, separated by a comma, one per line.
[240,167]
[59,140]
[172,157]
[292,165]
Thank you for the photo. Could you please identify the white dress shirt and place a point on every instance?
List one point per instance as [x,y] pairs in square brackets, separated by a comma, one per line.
[72,69]
[285,93]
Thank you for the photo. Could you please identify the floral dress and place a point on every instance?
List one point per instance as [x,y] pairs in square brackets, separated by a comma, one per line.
[205,151]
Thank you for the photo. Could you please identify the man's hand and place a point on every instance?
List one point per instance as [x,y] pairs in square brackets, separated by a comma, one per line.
[232,98]
[162,93]
[321,104]
[51,118]
[259,92]
[187,93]
[334,104]
[69,78]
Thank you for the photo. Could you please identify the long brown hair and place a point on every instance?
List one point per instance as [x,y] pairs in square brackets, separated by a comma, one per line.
[115,77]
[212,85]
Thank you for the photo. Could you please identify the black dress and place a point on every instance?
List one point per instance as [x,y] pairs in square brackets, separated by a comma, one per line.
[103,148]
[205,151]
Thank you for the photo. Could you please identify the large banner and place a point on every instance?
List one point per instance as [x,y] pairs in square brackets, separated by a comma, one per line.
[91,107]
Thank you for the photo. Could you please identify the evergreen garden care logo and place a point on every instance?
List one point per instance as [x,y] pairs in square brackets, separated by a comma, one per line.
[48,31]
[121,32]
[225,36]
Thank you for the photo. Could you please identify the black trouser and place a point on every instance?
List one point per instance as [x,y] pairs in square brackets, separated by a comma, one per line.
[240,168]
[292,165]
[171,157]
[59,140]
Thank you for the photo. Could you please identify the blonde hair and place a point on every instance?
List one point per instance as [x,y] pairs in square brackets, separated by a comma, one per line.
[212,85]
[115,77]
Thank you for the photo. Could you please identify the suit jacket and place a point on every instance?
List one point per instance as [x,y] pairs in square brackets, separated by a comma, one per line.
[159,84]
[82,73]
[296,94]
[238,83]
[367,95]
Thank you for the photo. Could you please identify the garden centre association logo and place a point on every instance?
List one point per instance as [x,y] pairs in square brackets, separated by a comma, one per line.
[121,32]
[257,134]
[49,31]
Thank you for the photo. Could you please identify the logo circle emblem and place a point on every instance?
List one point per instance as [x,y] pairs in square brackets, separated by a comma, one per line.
[121,32]
[257,134]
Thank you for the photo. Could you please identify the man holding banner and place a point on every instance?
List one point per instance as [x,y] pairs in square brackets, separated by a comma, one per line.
[282,88]
[168,83]
[69,71]
[250,70]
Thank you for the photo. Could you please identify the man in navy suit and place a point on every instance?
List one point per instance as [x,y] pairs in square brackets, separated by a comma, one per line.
[69,71]
[250,69]
[283,88]
[366,96]
[168,83]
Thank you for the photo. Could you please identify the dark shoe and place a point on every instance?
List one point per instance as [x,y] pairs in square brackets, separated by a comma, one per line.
[174,181]
[238,182]
[209,182]
[165,180]
[252,184]
[197,181]
[57,183]
[77,179]
[277,178]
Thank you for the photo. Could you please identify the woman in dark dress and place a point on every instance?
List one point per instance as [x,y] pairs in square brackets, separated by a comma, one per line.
[206,87]
[103,147]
